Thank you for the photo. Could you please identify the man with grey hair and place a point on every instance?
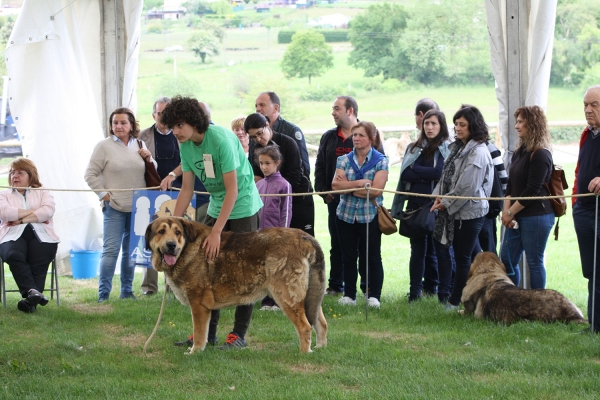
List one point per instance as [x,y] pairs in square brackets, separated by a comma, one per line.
[587,180]
[269,105]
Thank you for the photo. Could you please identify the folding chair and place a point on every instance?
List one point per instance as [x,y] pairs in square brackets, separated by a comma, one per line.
[53,283]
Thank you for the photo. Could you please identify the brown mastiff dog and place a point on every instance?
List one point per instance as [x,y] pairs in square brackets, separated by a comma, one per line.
[491,294]
[286,264]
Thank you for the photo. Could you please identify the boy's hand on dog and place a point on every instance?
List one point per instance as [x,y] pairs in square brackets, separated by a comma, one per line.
[211,246]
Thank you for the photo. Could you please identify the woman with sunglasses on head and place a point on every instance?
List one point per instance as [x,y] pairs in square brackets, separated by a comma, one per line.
[292,169]
[27,240]
[117,162]
[468,172]
[421,170]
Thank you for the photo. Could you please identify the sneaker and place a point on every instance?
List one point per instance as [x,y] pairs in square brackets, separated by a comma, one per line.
[128,295]
[266,308]
[275,308]
[332,292]
[451,307]
[189,342]
[233,342]
[102,298]
[373,302]
[347,301]
[443,299]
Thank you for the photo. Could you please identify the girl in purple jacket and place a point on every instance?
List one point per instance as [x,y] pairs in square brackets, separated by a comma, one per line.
[277,210]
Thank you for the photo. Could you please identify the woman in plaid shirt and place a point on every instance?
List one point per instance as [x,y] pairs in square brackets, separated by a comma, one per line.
[355,214]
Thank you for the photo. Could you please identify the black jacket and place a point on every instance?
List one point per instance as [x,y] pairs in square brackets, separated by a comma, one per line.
[291,130]
[326,161]
[291,169]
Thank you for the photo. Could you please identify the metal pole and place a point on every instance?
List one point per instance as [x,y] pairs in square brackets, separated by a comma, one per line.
[367,188]
[594,274]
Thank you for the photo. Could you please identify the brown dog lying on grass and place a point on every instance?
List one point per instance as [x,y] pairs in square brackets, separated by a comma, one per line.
[286,264]
[491,294]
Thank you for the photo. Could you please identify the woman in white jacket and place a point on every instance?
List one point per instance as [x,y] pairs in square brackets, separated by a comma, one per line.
[468,172]
[27,240]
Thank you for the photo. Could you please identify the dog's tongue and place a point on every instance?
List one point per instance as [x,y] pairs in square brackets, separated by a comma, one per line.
[169,259]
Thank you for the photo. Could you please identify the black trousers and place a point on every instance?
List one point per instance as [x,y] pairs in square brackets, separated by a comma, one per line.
[303,214]
[243,314]
[28,260]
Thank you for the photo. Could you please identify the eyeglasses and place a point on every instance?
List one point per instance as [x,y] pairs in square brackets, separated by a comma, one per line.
[258,134]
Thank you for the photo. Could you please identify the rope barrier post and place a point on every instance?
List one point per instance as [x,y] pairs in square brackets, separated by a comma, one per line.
[594,274]
[367,188]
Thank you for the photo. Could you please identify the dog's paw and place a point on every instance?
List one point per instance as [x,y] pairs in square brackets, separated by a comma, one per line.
[189,351]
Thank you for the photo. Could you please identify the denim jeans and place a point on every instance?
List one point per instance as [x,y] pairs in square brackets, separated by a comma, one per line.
[423,255]
[336,265]
[585,220]
[466,247]
[116,237]
[531,237]
[487,237]
[353,241]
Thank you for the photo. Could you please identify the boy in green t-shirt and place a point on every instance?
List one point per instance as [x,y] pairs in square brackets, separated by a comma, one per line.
[214,154]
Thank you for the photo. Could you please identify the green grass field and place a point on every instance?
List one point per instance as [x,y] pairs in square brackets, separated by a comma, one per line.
[83,349]
[86,350]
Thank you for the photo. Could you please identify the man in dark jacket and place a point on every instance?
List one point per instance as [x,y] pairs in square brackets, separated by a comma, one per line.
[269,105]
[334,143]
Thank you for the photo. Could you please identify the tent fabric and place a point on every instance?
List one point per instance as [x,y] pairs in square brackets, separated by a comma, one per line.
[540,40]
[53,61]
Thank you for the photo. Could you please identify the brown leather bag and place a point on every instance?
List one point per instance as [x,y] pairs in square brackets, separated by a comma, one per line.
[558,184]
[387,223]
[150,175]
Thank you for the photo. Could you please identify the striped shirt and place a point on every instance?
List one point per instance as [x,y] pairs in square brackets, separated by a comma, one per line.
[355,209]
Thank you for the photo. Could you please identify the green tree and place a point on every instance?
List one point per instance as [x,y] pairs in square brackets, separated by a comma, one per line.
[374,36]
[569,58]
[221,7]
[204,43]
[197,7]
[308,55]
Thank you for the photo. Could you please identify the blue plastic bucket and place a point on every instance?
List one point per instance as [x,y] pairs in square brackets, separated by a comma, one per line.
[85,263]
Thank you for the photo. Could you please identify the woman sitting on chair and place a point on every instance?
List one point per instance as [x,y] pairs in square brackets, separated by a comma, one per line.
[27,240]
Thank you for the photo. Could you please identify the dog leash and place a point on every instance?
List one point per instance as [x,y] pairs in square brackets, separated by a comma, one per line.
[162,308]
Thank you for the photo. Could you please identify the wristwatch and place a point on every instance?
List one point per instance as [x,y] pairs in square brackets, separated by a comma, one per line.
[509,213]
[173,174]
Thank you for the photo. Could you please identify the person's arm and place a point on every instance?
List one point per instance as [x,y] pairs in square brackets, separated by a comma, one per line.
[45,211]
[428,173]
[320,167]
[9,214]
[185,195]
[212,243]
[378,182]
[341,182]
[286,207]
[169,179]
[94,170]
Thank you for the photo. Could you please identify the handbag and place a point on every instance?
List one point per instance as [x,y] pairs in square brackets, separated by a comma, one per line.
[150,174]
[387,223]
[558,184]
[419,222]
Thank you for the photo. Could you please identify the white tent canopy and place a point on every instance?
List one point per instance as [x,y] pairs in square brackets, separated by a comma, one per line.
[57,65]
[521,36]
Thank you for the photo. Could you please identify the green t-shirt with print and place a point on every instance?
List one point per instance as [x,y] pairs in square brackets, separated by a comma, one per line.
[227,155]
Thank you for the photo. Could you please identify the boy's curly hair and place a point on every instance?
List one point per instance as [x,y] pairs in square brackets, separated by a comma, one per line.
[185,110]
